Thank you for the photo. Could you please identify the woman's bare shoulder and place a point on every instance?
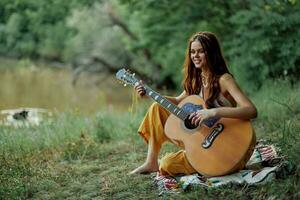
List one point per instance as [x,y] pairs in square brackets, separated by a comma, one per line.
[225,81]
[226,77]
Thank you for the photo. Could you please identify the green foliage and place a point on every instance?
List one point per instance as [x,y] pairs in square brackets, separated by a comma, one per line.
[265,44]
[259,38]
[35,28]
[95,37]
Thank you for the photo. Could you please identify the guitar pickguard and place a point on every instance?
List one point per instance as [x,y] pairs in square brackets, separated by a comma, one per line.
[190,108]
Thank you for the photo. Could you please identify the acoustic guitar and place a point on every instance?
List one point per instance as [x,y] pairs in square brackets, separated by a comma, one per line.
[216,147]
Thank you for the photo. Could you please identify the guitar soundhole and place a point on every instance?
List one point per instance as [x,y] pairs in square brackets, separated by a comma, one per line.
[188,124]
[190,108]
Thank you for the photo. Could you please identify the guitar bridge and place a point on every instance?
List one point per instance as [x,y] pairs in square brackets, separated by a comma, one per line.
[212,136]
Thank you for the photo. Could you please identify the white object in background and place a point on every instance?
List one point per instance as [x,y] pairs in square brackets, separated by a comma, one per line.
[23,117]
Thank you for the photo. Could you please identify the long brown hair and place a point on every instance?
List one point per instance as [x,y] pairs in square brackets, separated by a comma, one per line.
[192,81]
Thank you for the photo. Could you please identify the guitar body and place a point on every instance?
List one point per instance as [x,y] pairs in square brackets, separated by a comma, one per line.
[218,147]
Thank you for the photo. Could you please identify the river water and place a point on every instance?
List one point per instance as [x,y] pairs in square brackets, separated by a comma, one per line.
[51,89]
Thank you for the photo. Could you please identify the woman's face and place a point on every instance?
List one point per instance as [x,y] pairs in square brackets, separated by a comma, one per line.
[197,55]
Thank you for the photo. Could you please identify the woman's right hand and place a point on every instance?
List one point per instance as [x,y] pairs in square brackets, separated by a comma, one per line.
[139,87]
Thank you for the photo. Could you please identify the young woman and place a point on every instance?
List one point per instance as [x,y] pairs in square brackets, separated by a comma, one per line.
[205,74]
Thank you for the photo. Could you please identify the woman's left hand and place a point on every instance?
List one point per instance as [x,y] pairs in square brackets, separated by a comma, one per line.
[200,115]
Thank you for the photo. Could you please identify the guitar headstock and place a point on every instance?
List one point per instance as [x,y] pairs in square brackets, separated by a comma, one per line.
[126,77]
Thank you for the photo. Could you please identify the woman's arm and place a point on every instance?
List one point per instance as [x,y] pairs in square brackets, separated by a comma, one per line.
[244,110]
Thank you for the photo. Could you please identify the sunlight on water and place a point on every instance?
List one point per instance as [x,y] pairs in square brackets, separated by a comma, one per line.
[52,89]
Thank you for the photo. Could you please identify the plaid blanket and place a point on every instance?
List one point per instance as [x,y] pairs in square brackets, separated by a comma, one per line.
[264,166]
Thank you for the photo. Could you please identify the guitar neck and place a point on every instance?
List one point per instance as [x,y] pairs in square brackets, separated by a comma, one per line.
[164,102]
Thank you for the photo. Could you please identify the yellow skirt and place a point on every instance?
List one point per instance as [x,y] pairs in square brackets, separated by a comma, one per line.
[152,128]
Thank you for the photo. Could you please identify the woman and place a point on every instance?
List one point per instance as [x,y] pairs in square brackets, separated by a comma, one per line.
[205,74]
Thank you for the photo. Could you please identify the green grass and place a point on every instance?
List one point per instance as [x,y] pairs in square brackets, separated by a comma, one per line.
[71,156]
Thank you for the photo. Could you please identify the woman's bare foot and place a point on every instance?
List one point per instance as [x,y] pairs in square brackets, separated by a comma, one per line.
[145,169]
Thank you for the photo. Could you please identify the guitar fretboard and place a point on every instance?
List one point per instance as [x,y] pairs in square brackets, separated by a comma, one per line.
[164,102]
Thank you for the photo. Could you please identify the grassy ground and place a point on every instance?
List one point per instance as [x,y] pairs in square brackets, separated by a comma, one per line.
[71,156]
